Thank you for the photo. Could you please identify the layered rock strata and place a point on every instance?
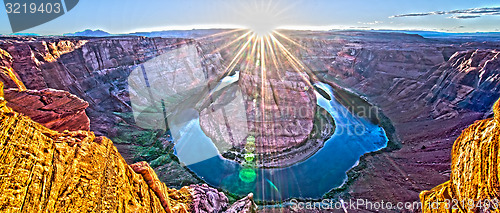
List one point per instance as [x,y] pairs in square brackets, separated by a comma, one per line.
[102,71]
[470,79]
[55,109]
[396,72]
[97,70]
[272,103]
[473,184]
[45,170]
[207,199]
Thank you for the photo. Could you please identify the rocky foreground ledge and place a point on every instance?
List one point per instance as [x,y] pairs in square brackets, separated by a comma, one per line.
[43,170]
[474,179]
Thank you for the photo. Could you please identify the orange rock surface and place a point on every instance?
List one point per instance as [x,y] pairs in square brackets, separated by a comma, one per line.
[42,170]
[475,172]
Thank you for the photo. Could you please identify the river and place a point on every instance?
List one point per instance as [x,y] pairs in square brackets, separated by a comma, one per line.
[310,179]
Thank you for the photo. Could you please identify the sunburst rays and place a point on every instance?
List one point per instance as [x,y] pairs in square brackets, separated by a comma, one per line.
[263,51]
[266,57]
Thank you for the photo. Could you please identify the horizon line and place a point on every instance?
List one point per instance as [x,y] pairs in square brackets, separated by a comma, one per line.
[233,27]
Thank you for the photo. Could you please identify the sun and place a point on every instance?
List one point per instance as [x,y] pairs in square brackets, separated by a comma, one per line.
[262,17]
[263,31]
[262,23]
[262,51]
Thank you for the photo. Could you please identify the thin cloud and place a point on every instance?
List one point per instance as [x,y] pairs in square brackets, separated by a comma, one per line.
[371,23]
[458,14]
[464,17]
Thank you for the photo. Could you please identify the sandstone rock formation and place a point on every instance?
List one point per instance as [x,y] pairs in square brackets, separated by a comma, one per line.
[171,199]
[8,74]
[473,184]
[97,70]
[206,199]
[470,79]
[94,69]
[280,119]
[395,72]
[101,71]
[245,205]
[278,105]
[46,170]
[282,115]
[55,109]
[193,198]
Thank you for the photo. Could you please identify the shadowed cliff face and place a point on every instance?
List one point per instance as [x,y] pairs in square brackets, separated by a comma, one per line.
[396,73]
[474,171]
[94,69]
[470,79]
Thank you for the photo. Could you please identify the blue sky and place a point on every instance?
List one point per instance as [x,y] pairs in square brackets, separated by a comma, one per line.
[124,16]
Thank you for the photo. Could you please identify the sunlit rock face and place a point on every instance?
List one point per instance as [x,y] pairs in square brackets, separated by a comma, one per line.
[474,171]
[44,170]
[97,71]
[110,74]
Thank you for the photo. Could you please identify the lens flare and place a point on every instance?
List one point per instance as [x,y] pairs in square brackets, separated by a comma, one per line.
[266,55]
[248,175]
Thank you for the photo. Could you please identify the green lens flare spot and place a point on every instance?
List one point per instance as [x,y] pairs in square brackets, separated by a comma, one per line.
[250,147]
[248,165]
[248,175]
[249,157]
[251,139]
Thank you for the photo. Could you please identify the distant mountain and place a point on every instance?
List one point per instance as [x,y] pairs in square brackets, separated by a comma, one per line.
[89,33]
[195,33]
[198,33]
